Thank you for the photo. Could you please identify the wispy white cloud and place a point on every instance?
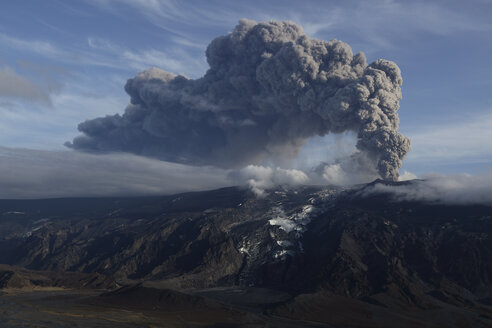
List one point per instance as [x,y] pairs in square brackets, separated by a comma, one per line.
[469,140]
[166,13]
[377,24]
[190,44]
[103,53]
[33,125]
[173,59]
[384,24]
[43,48]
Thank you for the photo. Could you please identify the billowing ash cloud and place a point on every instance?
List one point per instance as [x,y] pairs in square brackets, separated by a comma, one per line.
[269,89]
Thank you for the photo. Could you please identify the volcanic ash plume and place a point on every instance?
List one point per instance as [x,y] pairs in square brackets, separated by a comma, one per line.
[269,88]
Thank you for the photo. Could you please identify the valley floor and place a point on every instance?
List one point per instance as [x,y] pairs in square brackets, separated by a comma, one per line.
[143,306]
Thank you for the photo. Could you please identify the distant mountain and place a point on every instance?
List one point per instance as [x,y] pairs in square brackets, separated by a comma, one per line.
[322,246]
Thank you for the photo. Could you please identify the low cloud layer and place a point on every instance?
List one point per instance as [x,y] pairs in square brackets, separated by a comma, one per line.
[268,90]
[446,189]
[30,173]
[48,174]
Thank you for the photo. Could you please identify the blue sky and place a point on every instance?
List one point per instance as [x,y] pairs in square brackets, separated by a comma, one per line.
[62,62]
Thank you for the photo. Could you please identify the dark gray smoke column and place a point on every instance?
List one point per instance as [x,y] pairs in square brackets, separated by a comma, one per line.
[269,88]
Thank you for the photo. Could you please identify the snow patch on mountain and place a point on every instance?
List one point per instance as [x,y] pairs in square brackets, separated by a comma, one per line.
[289,225]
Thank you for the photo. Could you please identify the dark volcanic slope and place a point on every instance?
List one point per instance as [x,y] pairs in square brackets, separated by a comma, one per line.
[321,242]
[205,236]
[20,278]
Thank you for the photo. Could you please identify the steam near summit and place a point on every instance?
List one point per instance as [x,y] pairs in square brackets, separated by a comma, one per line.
[268,90]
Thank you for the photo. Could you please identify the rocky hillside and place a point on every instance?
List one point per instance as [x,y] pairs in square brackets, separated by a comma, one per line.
[20,278]
[307,241]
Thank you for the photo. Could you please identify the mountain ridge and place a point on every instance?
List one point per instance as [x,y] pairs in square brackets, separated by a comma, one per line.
[304,241]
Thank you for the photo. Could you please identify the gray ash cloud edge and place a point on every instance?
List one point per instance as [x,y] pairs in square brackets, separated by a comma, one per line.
[268,90]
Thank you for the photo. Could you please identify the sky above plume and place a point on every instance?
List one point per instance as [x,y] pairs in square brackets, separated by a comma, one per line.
[65,62]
